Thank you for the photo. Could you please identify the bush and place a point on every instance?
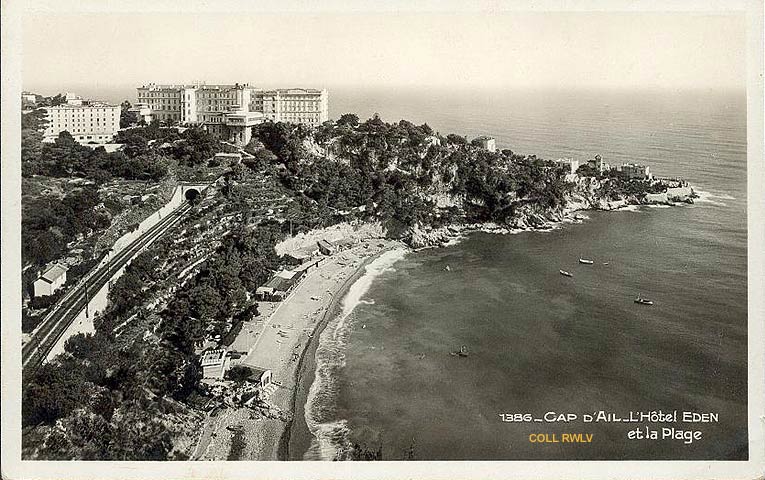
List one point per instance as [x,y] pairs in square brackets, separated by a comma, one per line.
[45,302]
[239,373]
[29,322]
[231,335]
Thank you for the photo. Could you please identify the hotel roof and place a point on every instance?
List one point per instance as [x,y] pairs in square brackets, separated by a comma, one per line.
[85,104]
[201,86]
[213,357]
[53,273]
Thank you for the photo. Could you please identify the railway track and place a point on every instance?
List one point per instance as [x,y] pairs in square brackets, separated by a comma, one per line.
[53,326]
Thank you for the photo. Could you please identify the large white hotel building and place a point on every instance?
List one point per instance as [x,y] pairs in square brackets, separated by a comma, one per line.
[229,111]
[87,121]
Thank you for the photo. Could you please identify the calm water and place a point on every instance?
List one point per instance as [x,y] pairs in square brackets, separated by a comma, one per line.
[542,342]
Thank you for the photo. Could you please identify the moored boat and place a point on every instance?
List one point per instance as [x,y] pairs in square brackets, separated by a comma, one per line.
[461,353]
[643,301]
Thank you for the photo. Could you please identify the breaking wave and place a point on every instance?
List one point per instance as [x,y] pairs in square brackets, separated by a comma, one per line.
[331,434]
[713,198]
[629,208]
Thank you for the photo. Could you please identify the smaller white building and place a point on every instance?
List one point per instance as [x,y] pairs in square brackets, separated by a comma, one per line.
[632,171]
[487,143]
[569,164]
[233,126]
[51,280]
[72,99]
[262,380]
[597,164]
[214,363]
[142,112]
[260,377]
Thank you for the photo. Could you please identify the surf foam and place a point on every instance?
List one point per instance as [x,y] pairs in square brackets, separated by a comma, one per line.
[330,434]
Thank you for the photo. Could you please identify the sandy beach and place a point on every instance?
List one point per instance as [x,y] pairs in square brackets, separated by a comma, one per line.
[279,339]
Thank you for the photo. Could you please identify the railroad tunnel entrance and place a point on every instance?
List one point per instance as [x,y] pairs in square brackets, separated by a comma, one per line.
[191,194]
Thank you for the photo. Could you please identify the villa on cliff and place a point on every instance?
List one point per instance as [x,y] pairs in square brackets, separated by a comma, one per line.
[486,142]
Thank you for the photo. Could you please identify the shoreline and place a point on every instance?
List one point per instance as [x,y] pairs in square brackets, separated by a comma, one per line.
[296,431]
[279,340]
[272,439]
[429,237]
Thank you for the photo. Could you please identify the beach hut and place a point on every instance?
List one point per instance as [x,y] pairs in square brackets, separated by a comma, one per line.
[262,381]
[276,289]
[214,363]
[325,247]
[260,377]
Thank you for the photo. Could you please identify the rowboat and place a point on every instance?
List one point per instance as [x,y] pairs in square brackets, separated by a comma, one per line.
[643,301]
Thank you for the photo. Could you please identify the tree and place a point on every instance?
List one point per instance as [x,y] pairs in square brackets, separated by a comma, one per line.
[57,100]
[455,139]
[34,120]
[239,373]
[82,345]
[127,118]
[348,119]
[31,149]
[52,393]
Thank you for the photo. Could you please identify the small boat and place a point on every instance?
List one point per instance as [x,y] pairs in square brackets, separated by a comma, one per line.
[563,272]
[585,261]
[643,301]
[447,269]
[462,352]
[605,263]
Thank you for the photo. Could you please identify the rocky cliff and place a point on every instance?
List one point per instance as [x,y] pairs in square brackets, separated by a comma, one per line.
[587,194]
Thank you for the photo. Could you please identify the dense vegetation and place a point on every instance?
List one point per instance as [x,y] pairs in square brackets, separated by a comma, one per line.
[138,160]
[217,297]
[114,396]
[128,118]
[393,172]
[48,224]
[111,378]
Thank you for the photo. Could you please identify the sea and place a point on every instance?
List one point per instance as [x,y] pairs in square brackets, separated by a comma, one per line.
[540,345]
[545,346]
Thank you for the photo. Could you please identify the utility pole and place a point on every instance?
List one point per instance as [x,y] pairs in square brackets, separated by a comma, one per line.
[87,300]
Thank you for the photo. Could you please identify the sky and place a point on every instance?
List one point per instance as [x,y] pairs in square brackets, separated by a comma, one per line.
[439,50]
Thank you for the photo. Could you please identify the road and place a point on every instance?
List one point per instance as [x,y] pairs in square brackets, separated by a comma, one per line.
[53,326]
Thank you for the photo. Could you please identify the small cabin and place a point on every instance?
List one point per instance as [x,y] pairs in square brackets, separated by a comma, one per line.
[277,289]
[214,363]
[325,248]
[260,377]
[51,280]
